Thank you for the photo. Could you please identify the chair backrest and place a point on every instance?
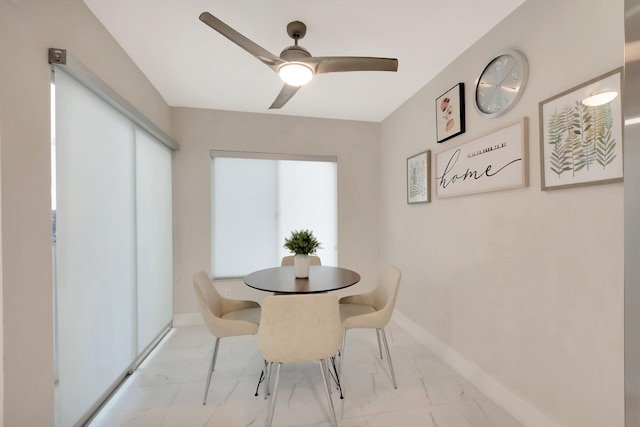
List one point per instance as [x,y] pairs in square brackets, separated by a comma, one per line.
[288,260]
[208,296]
[386,292]
[297,328]
[382,299]
[214,306]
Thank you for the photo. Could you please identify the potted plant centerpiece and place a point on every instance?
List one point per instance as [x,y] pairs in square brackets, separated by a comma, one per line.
[302,243]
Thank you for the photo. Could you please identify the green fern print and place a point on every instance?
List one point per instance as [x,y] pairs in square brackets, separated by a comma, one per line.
[559,158]
[581,136]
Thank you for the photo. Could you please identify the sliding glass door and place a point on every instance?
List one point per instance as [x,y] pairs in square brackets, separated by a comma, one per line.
[113,246]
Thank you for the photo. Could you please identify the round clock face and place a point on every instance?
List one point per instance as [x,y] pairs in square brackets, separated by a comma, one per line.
[501,83]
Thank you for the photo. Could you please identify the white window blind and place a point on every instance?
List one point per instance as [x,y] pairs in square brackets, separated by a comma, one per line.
[112,248]
[154,238]
[257,200]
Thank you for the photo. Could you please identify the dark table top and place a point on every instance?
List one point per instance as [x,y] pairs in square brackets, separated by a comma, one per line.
[282,280]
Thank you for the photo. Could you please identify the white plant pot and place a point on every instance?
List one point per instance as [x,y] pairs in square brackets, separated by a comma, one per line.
[301,266]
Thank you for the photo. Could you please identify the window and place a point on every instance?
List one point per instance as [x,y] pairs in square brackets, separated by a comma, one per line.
[258,199]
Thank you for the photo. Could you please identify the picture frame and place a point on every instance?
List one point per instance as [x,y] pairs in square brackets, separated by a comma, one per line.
[450,116]
[495,161]
[419,178]
[582,144]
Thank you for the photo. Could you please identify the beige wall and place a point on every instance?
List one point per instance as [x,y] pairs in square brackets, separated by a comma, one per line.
[525,284]
[354,143]
[27,30]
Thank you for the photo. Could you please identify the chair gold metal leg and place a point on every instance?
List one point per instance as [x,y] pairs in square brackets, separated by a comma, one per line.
[386,346]
[323,369]
[212,367]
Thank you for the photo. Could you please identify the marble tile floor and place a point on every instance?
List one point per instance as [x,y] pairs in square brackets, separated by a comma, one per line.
[167,389]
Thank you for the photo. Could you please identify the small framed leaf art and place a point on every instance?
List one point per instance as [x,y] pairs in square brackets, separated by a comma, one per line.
[419,178]
[580,136]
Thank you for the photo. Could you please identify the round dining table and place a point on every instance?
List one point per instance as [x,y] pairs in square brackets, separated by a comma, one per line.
[282,280]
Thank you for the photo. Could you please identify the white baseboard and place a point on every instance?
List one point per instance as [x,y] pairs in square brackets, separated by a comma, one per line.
[187,319]
[522,411]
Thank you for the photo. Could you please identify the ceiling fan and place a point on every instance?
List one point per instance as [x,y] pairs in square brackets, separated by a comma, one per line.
[295,65]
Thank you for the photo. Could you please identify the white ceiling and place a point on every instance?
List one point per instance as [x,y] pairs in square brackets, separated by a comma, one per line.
[192,65]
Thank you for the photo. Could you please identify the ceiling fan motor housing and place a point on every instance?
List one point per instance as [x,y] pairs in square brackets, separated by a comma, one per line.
[294,53]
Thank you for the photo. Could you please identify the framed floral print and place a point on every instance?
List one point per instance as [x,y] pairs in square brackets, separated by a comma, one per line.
[450,113]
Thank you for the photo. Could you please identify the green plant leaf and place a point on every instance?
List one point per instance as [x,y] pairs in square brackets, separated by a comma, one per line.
[302,242]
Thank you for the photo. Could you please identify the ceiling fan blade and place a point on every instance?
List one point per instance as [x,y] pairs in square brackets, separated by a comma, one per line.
[285,95]
[334,64]
[254,49]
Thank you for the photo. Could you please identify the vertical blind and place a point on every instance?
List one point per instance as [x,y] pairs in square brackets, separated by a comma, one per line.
[257,200]
[113,246]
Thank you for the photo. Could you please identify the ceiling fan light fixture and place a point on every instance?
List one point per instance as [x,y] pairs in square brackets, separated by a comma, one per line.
[295,74]
[295,65]
[600,99]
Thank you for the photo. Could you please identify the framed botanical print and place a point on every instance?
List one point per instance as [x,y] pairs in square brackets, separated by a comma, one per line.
[419,178]
[581,134]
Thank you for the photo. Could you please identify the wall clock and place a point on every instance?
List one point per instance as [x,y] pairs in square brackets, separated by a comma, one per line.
[501,83]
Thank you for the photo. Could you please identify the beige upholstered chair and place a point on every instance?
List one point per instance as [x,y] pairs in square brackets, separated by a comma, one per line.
[224,317]
[299,328]
[288,260]
[372,310]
